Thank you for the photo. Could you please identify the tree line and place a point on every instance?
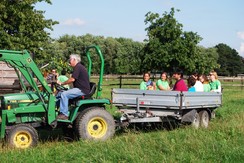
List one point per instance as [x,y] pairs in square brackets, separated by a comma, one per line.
[167,48]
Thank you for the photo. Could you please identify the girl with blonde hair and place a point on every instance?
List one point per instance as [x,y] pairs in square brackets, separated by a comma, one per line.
[215,85]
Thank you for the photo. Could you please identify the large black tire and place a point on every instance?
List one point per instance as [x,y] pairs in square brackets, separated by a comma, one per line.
[196,122]
[204,118]
[95,124]
[69,132]
[22,136]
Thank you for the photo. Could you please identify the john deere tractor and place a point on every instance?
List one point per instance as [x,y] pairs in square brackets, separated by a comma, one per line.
[21,114]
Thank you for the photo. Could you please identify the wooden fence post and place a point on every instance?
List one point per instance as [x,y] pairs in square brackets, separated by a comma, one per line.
[120,81]
[242,82]
[153,77]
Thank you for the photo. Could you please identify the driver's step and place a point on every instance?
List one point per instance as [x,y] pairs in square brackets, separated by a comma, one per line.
[66,121]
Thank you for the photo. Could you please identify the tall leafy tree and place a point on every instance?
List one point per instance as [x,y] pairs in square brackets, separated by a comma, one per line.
[128,60]
[169,47]
[54,56]
[24,27]
[230,62]
[207,60]
[121,55]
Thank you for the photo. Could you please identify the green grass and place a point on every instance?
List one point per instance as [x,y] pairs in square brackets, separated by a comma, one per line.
[222,141]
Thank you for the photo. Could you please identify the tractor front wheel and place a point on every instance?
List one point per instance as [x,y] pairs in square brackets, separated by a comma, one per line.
[95,124]
[22,136]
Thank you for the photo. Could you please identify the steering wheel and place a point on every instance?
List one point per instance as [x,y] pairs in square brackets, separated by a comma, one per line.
[58,87]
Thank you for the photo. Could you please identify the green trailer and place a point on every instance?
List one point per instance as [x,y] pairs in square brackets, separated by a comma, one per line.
[23,113]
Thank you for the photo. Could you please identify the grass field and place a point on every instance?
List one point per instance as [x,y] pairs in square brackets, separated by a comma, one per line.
[222,141]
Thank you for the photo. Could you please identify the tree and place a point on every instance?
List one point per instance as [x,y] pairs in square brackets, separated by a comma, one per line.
[54,55]
[23,27]
[208,60]
[121,55]
[230,62]
[169,47]
[128,57]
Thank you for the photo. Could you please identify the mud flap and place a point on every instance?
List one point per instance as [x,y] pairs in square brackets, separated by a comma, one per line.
[189,117]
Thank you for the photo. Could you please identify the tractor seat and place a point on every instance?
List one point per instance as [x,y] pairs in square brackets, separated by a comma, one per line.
[88,96]
[92,90]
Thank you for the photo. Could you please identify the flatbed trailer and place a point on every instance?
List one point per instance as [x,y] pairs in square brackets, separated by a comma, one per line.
[153,106]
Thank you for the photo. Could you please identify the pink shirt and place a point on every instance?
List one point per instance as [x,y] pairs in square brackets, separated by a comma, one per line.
[180,85]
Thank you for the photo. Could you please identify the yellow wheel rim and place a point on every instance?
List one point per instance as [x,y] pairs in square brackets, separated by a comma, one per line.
[22,139]
[97,127]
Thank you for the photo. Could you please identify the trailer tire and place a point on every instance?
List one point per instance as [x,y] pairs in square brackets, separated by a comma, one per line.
[196,121]
[204,118]
[95,124]
[22,136]
[213,114]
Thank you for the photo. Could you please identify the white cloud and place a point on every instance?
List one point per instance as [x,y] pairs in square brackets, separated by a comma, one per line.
[240,35]
[241,51]
[74,22]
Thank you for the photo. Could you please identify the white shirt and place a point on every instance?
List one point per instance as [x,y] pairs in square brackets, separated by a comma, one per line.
[198,86]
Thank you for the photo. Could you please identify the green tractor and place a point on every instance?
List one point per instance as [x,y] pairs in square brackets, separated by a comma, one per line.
[23,113]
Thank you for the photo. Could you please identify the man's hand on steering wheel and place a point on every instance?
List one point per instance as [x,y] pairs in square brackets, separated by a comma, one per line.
[59,87]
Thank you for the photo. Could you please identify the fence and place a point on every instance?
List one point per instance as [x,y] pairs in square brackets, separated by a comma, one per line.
[225,81]
[120,81]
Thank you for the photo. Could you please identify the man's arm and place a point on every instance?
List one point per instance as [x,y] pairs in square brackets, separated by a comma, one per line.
[69,81]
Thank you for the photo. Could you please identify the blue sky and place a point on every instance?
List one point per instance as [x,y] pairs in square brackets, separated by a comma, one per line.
[216,21]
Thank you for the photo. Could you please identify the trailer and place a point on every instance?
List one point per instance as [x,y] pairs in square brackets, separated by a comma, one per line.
[153,106]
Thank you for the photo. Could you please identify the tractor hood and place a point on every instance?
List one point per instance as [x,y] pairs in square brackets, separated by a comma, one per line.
[29,96]
[17,99]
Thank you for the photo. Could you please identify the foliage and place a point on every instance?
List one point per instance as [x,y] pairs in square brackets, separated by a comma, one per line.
[54,56]
[207,60]
[169,47]
[23,27]
[121,55]
[128,60]
[231,63]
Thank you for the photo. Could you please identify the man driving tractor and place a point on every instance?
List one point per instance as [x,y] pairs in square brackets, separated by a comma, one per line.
[81,86]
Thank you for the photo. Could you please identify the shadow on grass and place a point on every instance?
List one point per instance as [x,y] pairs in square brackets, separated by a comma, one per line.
[146,127]
[68,134]
[57,134]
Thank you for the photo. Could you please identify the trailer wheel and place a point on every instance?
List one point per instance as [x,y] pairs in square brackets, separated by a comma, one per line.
[196,122]
[95,124]
[213,114]
[204,118]
[22,136]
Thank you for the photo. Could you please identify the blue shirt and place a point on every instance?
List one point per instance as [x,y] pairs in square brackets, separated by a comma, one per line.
[192,89]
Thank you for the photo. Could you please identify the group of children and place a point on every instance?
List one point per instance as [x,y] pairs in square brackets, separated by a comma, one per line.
[54,77]
[195,82]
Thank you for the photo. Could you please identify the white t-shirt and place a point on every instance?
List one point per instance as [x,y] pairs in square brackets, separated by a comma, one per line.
[198,86]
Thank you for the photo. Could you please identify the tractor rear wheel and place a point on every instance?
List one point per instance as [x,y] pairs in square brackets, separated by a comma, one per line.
[22,136]
[95,124]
